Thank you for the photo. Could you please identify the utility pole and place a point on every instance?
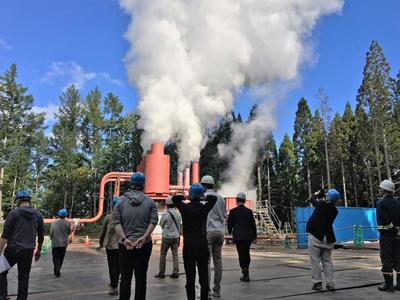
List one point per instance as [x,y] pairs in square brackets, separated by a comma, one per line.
[1,181]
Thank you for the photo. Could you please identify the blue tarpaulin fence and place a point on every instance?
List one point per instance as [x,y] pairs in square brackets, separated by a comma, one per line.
[343,226]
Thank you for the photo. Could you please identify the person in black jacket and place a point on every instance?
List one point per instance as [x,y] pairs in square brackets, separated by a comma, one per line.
[388,219]
[195,245]
[19,235]
[322,237]
[242,226]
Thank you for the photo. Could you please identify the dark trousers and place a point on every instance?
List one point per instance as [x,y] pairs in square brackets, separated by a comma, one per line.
[113,266]
[243,249]
[390,254]
[23,260]
[58,258]
[137,261]
[196,253]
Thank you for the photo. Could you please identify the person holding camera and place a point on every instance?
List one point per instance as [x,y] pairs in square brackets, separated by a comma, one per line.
[322,237]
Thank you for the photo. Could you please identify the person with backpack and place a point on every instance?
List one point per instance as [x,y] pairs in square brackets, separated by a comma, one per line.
[171,225]
[322,238]
[19,234]
[59,235]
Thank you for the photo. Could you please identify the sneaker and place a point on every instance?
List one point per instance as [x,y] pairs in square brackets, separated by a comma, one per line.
[216,294]
[113,291]
[159,275]
[209,296]
[174,276]
[330,287]
[317,286]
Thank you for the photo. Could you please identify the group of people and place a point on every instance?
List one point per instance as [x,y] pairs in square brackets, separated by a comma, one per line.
[200,218]
[322,236]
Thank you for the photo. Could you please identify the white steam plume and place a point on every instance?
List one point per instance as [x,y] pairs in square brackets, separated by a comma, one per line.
[188,57]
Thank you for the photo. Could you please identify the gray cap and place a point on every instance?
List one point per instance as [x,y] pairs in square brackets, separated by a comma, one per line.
[207,179]
[241,195]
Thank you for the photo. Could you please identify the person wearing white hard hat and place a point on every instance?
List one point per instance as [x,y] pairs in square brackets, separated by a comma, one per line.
[242,226]
[215,233]
[388,219]
[171,225]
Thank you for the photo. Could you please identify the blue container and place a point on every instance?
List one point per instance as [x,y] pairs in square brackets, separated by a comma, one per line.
[343,225]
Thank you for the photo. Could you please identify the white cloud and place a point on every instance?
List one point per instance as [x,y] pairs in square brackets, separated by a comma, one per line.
[49,110]
[75,74]
[5,45]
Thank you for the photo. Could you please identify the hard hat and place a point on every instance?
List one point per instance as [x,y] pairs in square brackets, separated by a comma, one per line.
[168,201]
[207,179]
[114,201]
[23,195]
[332,195]
[137,179]
[387,185]
[62,213]
[241,195]
[196,190]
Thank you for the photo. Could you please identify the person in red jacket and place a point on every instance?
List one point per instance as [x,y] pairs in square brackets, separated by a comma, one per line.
[242,226]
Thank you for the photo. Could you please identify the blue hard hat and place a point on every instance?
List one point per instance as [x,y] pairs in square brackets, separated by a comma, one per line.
[23,195]
[137,179]
[333,195]
[196,190]
[114,201]
[62,213]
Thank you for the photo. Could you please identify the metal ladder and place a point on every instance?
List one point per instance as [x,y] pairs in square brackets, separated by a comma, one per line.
[267,220]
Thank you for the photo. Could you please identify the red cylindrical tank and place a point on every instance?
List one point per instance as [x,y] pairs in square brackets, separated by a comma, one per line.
[156,171]
[187,178]
[195,172]
[231,203]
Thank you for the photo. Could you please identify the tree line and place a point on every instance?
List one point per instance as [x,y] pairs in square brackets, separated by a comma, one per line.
[62,166]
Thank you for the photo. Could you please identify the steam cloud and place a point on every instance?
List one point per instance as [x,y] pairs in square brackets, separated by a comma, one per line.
[189,57]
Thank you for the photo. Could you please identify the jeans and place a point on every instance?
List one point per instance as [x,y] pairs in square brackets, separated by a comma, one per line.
[136,260]
[215,242]
[195,253]
[167,243]
[113,266]
[390,254]
[23,260]
[321,252]
[58,258]
[243,249]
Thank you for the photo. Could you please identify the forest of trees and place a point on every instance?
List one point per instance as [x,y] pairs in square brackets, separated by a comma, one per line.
[352,150]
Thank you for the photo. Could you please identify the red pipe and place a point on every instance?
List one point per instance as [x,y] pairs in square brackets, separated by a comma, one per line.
[195,172]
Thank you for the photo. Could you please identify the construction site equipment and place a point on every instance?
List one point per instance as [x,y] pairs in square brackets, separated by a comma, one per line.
[267,220]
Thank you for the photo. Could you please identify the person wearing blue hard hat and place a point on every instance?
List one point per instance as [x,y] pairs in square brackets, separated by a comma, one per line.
[59,235]
[109,240]
[322,237]
[19,234]
[135,216]
[388,220]
[195,247]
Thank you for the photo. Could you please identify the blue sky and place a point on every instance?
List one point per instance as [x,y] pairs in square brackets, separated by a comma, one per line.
[55,43]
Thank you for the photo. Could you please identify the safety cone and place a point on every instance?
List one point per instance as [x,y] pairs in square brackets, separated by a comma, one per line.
[86,243]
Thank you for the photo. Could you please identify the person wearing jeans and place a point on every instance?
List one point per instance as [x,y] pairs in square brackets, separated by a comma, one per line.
[242,226]
[171,225]
[215,234]
[109,240]
[59,234]
[19,234]
[135,217]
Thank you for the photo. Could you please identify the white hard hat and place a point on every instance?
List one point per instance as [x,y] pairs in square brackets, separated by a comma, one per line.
[207,179]
[168,201]
[387,185]
[241,195]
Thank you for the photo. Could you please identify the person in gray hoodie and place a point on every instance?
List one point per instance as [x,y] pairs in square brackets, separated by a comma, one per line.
[215,233]
[109,240]
[19,234]
[59,235]
[135,217]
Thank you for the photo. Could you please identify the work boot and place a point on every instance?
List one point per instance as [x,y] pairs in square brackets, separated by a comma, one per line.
[317,286]
[160,275]
[388,285]
[330,287]
[398,281]
[113,291]
[216,294]
[174,276]
[245,277]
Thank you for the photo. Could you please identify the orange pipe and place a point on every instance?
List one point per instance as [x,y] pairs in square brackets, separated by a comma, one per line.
[195,172]
[186,179]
